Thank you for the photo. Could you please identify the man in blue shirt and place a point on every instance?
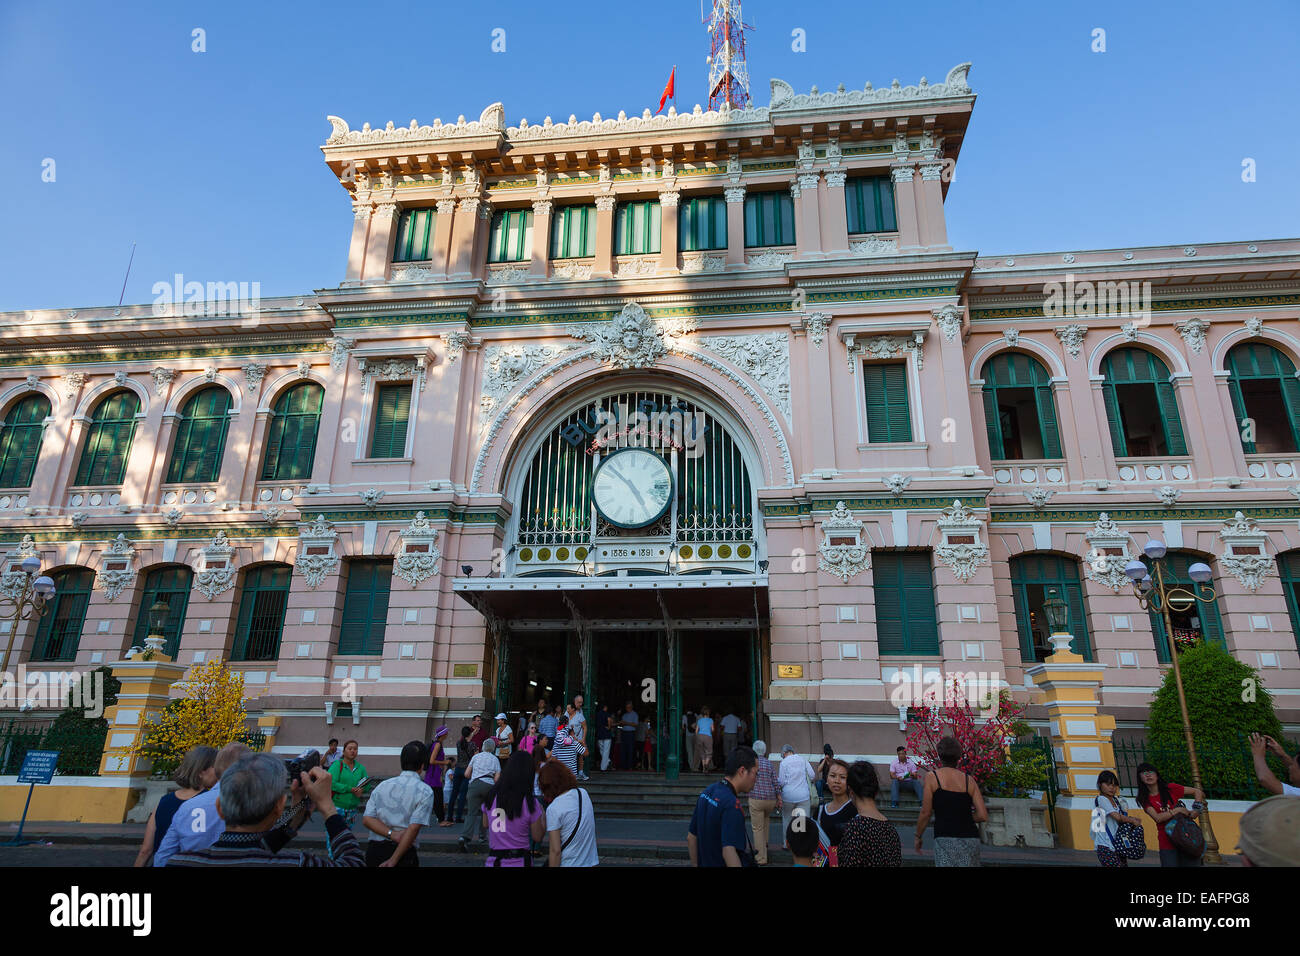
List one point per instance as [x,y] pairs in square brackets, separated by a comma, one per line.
[546,726]
[197,824]
[719,834]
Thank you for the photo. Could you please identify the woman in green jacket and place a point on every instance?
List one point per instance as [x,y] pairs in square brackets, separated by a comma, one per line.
[348,773]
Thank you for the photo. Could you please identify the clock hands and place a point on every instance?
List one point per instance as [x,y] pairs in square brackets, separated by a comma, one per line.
[627,481]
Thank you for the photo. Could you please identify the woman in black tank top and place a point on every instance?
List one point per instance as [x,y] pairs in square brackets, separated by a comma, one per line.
[955,802]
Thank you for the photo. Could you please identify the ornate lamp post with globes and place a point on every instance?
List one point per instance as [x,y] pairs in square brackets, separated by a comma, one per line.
[1162,593]
[30,596]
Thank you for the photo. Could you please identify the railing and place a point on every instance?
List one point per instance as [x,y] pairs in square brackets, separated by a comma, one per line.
[1225,774]
[80,744]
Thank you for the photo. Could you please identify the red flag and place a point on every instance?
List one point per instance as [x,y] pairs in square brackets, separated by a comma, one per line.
[668,91]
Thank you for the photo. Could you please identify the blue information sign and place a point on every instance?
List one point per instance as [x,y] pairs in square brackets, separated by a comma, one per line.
[38,766]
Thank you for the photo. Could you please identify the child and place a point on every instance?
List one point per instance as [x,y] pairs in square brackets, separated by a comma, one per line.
[647,752]
[801,837]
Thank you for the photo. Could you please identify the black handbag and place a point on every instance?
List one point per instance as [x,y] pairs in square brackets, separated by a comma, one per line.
[1185,835]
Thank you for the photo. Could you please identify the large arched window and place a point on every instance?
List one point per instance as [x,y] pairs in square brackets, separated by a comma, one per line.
[108,440]
[20,440]
[1140,405]
[59,632]
[1265,398]
[1201,621]
[170,585]
[291,440]
[201,436]
[1032,576]
[260,623]
[1288,566]
[1019,411]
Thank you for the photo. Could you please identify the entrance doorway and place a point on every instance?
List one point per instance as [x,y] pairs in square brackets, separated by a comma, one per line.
[719,670]
[630,667]
[534,669]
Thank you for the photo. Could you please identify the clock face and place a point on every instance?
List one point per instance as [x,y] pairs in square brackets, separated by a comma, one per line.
[632,488]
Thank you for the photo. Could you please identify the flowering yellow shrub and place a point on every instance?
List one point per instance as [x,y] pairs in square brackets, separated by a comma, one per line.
[211,713]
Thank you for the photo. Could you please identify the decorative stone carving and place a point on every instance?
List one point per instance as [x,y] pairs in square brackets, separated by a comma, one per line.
[316,558]
[835,178]
[606,203]
[33,381]
[1169,495]
[764,357]
[79,518]
[817,323]
[949,319]
[446,207]
[885,347]
[13,581]
[872,246]
[253,375]
[371,498]
[1130,330]
[1193,332]
[455,342]
[272,515]
[216,572]
[119,377]
[806,155]
[632,339]
[210,373]
[668,199]
[162,377]
[1071,337]
[962,549]
[542,207]
[834,155]
[507,276]
[697,262]
[734,169]
[638,266]
[842,551]
[768,260]
[1295,490]
[734,194]
[72,382]
[1011,336]
[1254,326]
[1244,552]
[808,180]
[173,517]
[304,369]
[897,483]
[903,174]
[505,367]
[1108,553]
[1039,496]
[418,554]
[931,172]
[413,273]
[391,370]
[117,568]
[571,270]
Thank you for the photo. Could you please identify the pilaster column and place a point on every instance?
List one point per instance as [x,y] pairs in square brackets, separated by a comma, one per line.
[253,460]
[1209,401]
[909,232]
[604,237]
[808,238]
[440,253]
[361,213]
[482,231]
[379,245]
[240,453]
[955,399]
[929,207]
[141,467]
[162,457]
[668,200]
[537,264]
[464,229]
[835,218]
[735,225]
[821,372]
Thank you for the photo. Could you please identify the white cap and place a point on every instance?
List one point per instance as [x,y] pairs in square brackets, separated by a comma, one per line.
[501,717]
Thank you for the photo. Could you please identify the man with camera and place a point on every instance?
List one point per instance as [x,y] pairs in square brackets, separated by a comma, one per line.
[197,825]
[252,804]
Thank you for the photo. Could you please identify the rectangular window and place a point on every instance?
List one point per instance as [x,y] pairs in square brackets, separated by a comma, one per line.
[573,232]
[889,417]
[511,239]
[365,606]
[636,228]
[904,596]
[769,219]
[870,204]
[260,624]
[392,411]
[415,235]
[702,224]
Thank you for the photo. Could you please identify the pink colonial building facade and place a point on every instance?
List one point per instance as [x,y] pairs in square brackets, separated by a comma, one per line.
[692,409]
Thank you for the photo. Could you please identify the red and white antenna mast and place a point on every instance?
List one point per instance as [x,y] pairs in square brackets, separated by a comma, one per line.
[728,70]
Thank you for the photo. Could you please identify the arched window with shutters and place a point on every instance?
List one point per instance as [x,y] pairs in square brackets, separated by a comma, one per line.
[1288,568]
[291,439]
[262,603]
[1032,576]
[1140,405]
[20,440]
[201,436]
[1201,621]
[1265,399]
[59,632]
[170,585]
[1019,410]
[108,440]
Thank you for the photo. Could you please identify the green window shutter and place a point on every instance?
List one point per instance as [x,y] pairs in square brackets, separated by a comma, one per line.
[415,232]
[1239,413]
[1051,434]
[392,411]
[637,228]
[20,440]
[702,224]
[1043,571]
[1291,397]
[1117,440]
[769,219]
[59,633]
[869,203]
[365,607]
[573,232]
[201,437]
[885,203]
[1024,622]
[291,438]
[904,598]
[171,586]
[108,440]
[1169,414]
[510,239]
[260,624]
[1289,570]
[993,422]
[888,413]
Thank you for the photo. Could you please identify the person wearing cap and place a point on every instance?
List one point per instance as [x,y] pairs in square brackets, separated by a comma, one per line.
[505,737]
[438,764]
[1270,833]
[398,809]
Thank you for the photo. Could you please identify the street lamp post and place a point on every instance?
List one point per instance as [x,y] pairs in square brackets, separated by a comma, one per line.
[1058,616]
[31,599]
[1155,593]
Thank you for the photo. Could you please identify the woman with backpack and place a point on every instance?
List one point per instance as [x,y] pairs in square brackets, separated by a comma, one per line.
[1163,803]
[1116,835]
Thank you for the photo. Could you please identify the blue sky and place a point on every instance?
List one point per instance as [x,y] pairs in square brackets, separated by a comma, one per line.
[209,161]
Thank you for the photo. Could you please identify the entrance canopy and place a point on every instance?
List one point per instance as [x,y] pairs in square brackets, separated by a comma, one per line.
[715,600]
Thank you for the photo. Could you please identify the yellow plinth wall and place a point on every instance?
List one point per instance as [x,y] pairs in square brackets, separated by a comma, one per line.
[68,800]
[1074,816]
[146,687]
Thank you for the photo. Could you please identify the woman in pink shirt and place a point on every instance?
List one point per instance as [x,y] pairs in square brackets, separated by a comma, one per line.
[513,816]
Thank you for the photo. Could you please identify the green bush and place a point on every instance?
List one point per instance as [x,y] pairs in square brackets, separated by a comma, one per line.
[1025,769]
[1226,702]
